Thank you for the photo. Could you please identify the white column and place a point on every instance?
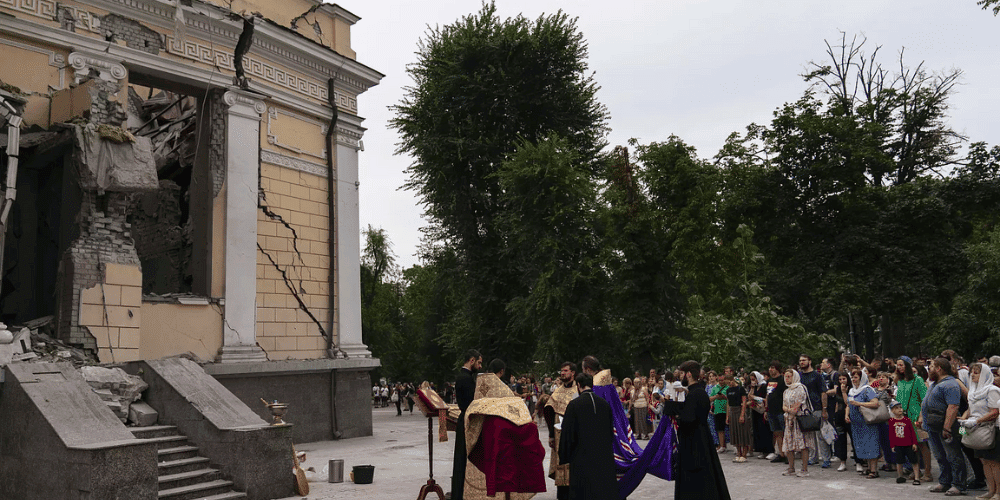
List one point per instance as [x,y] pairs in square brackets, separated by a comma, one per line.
[242,165]
[349,249]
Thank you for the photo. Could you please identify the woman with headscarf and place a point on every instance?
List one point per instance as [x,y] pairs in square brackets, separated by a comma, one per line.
[910,392]
[864,435]
[984,406]
[763,438]
[795,402]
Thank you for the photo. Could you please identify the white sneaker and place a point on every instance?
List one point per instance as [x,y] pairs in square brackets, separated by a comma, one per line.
[860,468]
[842,467]
[771,456]
[834,459]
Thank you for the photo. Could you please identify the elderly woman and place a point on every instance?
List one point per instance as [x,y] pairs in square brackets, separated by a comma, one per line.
[795,402]
[864,435]
[984,406]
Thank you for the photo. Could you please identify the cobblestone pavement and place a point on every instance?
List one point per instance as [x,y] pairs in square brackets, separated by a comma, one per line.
[398,450]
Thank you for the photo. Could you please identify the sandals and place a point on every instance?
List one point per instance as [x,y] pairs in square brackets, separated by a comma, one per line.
[873,475]
[916,482]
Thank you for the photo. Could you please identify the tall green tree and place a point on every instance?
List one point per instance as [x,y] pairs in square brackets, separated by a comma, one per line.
[837,188]
[483,85]
[549,219]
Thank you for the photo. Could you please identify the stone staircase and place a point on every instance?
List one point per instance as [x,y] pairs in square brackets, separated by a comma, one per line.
[183,474]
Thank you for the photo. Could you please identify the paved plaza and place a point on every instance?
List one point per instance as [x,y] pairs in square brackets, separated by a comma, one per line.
[398,450]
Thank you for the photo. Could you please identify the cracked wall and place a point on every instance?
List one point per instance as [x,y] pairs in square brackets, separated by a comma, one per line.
[292,266]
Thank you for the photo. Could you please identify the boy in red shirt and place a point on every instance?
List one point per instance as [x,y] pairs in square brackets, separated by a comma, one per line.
[903,440]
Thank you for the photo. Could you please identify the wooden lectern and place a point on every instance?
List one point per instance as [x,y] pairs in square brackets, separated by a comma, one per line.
[431,405]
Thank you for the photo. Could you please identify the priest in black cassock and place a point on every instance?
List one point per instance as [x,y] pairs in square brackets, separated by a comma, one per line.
[465,392]
[587,444]
[699,472]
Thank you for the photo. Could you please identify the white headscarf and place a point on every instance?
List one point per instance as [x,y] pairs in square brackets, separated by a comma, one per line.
[758,377]
[796,381]
[979,390]
[862,385]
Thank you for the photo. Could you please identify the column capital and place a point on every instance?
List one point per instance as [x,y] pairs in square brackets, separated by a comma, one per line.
[244,103]
[84,64]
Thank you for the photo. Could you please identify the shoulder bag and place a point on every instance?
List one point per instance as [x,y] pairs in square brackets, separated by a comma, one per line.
[809,422]
[877,415]
[981,437]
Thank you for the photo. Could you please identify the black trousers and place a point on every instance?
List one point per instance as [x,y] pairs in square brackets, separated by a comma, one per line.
[461,456]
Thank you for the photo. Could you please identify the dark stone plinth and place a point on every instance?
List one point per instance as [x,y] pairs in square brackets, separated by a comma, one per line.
[59,441]
[327,398]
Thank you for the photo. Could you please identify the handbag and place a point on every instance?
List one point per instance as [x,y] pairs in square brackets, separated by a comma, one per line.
[395,397]
[809,422]
[980,437]
[877,415]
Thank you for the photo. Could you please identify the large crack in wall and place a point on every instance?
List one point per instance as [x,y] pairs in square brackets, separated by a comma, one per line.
[288,280]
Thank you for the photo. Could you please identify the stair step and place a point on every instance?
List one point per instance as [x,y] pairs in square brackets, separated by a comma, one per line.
[163,442]
[177,453]
[153,431]
[229,495]
[182,465]
[199,491]
[169,481]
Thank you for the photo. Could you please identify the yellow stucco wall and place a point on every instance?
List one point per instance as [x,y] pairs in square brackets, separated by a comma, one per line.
[284,329]
[112,312]
[170,329]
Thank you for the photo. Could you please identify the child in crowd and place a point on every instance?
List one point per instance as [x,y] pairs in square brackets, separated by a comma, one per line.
[904,442]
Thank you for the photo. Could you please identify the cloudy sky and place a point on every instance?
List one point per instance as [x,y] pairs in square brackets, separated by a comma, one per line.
[696,69]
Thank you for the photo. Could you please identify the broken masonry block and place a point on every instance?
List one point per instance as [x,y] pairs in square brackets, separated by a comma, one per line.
[142,415]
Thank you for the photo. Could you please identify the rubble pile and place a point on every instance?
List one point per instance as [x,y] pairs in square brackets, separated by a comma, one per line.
[121,392]
[31,342]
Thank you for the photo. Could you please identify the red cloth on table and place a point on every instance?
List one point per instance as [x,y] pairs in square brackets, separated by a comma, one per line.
[510,456]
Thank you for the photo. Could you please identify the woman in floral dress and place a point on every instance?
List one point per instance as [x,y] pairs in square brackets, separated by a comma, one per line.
[795,402]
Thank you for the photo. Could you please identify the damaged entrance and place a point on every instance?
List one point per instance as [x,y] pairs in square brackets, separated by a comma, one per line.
[114,202]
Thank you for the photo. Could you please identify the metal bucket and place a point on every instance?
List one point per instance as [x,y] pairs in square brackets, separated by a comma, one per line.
[336,471]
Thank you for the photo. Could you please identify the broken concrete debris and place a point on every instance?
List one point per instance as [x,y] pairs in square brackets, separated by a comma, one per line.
[118,390]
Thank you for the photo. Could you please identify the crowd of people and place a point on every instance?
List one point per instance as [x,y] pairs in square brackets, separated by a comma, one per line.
[401,394]
[892,415]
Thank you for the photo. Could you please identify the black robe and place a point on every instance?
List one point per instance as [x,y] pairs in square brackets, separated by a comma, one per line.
[465,392]
[587,444]
[699,473]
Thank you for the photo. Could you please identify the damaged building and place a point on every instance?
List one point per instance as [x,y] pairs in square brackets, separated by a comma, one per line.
[180,182]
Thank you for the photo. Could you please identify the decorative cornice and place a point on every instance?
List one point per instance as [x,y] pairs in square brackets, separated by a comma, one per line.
[212,23]
[85,63]
[174,70]
[49,10]
[276,158]
[349,137]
